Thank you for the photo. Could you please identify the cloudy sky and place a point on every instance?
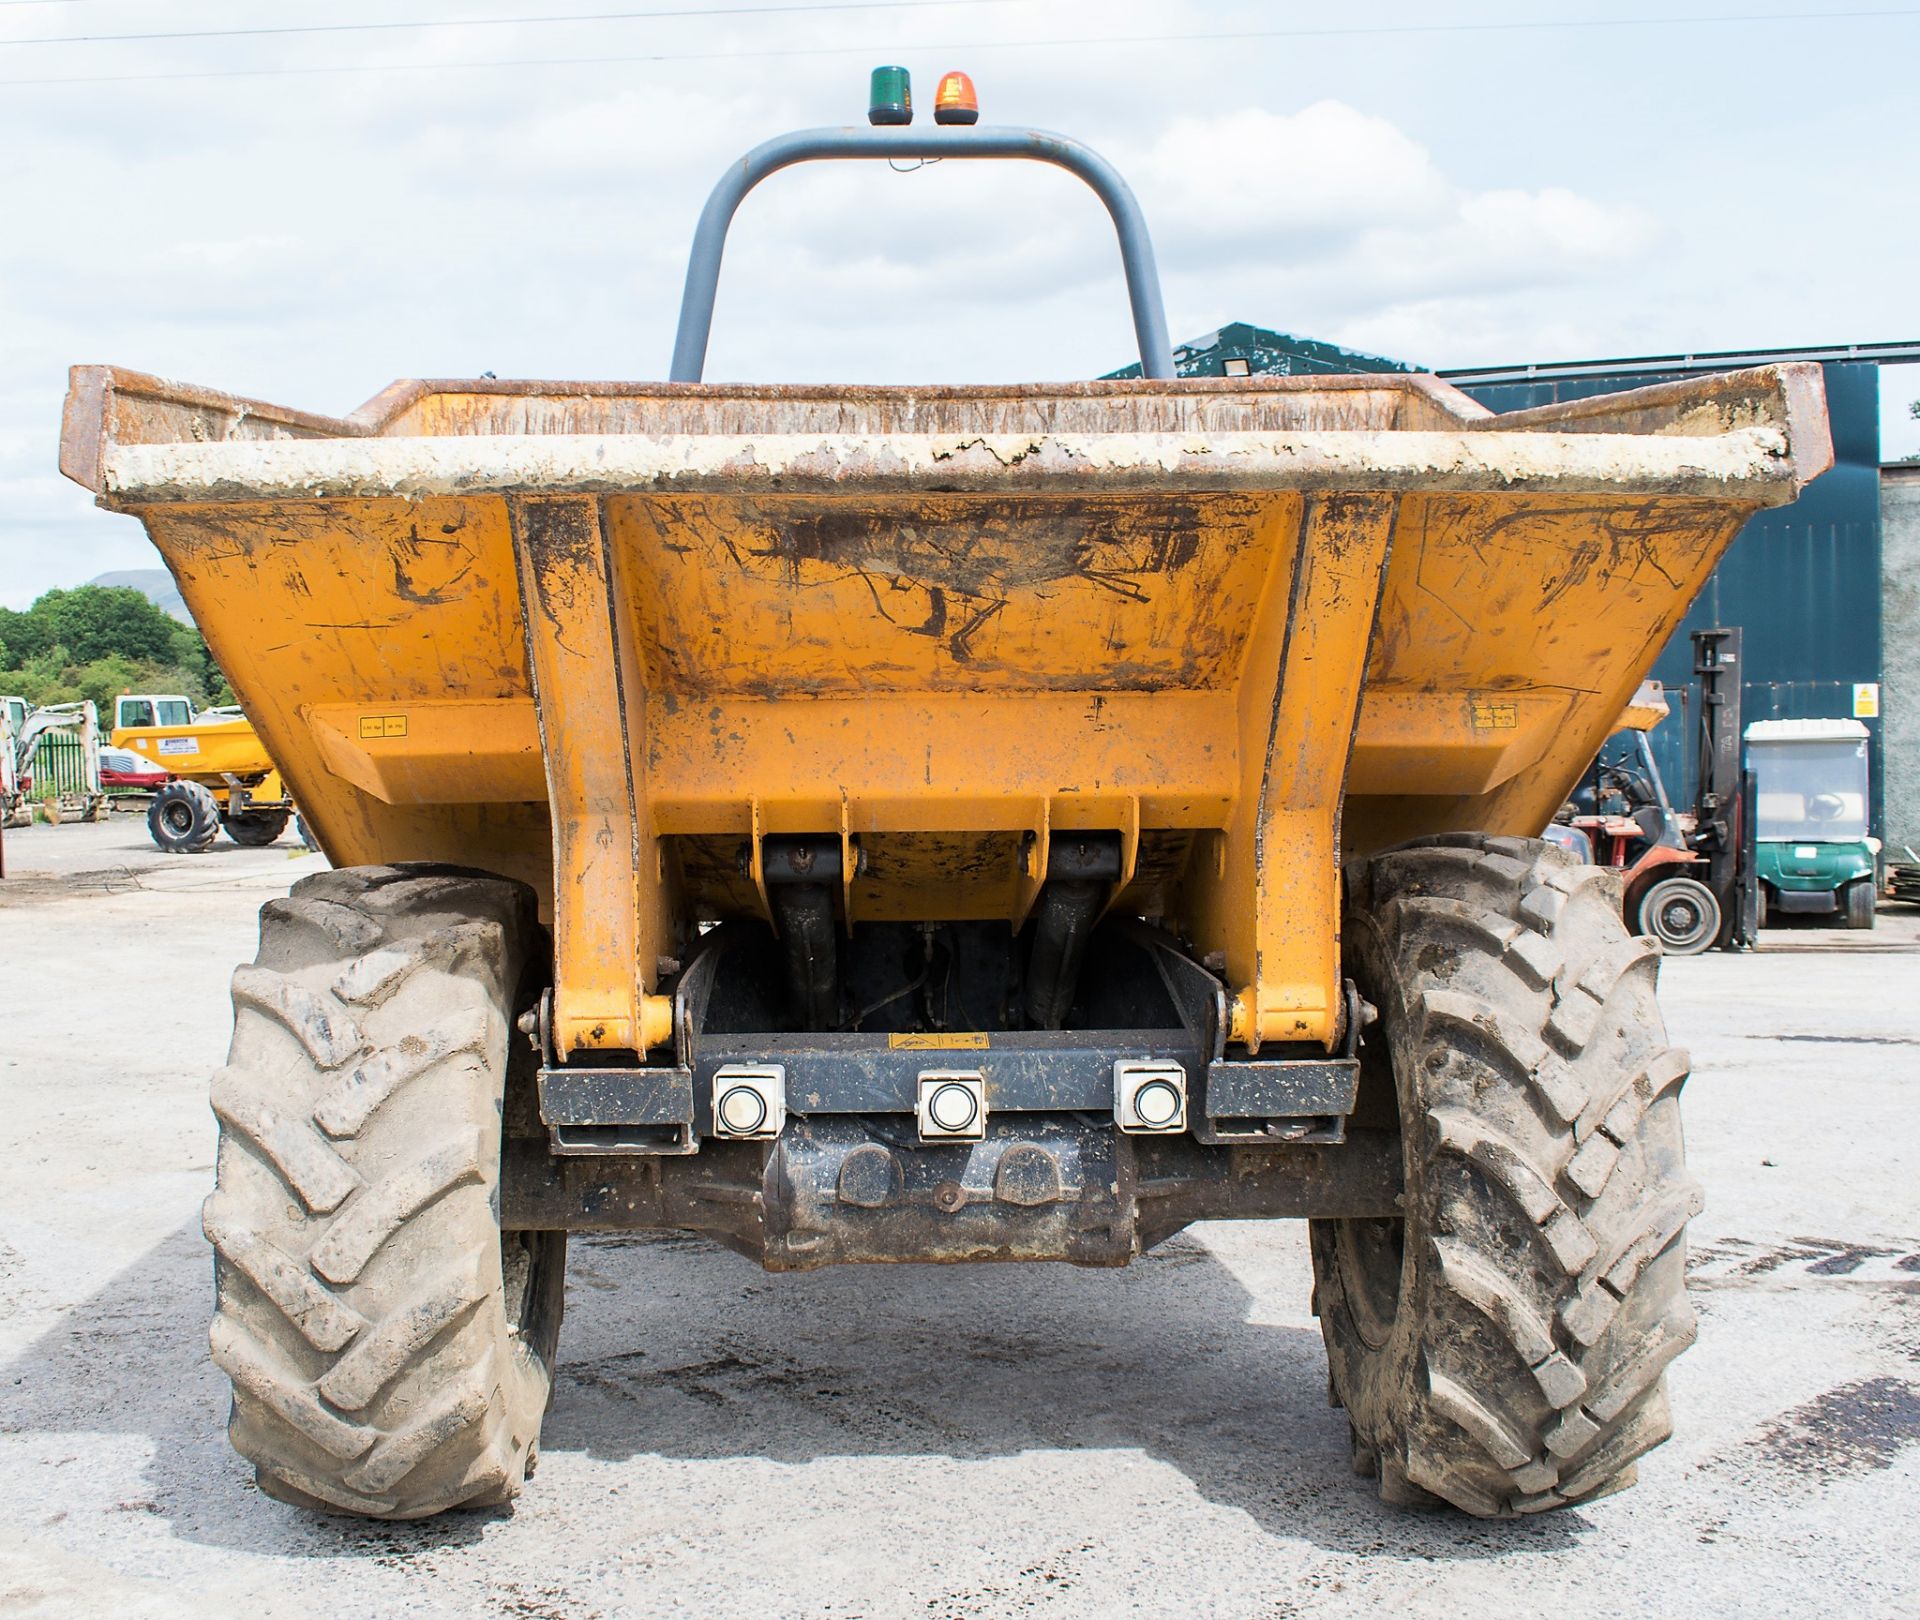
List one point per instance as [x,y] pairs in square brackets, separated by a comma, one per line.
[303,217]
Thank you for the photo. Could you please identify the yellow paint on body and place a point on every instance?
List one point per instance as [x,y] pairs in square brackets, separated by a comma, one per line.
[614,694]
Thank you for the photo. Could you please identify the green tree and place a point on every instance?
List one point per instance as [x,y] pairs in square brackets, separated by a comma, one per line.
[98,621]
[104,679]
[40,679]
[96,642]
[22,636]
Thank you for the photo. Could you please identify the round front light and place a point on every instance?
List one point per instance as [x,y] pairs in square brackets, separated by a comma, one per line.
[742,1110]
[1157,1103]
[953,1108]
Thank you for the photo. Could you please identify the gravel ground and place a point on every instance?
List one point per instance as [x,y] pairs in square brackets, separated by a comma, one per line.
[930,1442]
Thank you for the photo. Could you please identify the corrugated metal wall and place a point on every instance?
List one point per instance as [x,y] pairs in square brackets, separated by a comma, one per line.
[1802,582]
[1900,628]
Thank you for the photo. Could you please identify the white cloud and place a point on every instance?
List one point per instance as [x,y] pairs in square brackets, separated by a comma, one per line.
[1251,177]
[1319,221]
[310,239]
[552,236]
[1336,223]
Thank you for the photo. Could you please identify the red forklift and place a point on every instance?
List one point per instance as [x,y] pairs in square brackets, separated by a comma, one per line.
[1625,820]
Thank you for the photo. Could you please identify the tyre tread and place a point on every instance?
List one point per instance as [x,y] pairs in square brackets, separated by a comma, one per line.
[373,1368]
[1544,1070]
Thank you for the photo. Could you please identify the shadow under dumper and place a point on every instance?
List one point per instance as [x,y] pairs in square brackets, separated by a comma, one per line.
[675,1348]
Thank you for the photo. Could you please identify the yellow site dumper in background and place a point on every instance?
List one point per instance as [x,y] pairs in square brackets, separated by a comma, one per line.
[945,823]
[222,774]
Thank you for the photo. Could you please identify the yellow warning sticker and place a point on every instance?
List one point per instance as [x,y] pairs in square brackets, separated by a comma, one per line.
[940,1041]
[1496,716]
[383,725]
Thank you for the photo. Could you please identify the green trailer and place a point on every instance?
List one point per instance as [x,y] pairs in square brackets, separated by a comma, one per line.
[1812,850]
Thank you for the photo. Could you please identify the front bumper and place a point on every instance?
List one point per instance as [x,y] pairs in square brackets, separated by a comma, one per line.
[847,1165]
[1038,1187]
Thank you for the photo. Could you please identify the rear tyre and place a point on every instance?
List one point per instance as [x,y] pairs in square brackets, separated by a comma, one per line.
[255,829]
[1503,1347]
[184,818]
[390,1349]
[1682,913]
[1858,904]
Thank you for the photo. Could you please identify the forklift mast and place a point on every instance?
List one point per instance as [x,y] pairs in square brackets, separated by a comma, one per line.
[1723,789]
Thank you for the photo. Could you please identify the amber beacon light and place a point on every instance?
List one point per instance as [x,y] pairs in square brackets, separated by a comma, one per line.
[955,102]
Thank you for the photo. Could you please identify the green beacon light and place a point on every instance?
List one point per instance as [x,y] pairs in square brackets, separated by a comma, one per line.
[890,100]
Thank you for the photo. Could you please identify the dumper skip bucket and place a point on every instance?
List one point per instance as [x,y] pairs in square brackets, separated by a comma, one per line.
[604,638]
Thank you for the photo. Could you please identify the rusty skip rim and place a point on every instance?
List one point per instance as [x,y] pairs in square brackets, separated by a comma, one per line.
[1752,463]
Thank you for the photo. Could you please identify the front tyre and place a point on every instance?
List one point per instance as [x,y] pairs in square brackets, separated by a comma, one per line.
[256,829]
[1503,1347]
[1682,913]
[390,1349]
[1858,904]
[184,818]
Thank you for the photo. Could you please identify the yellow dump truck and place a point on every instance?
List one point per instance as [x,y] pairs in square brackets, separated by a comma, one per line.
[222,773]
[945,824]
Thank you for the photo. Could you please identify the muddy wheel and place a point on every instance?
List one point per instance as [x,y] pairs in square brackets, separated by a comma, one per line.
[1503,1347]
[184,818]
[255,829]
[1858,904]
[1682,913]
[390,1349]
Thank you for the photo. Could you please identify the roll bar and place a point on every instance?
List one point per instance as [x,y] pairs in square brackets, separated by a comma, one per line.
[980,141]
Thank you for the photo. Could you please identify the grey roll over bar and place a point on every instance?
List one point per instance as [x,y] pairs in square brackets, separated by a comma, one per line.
[988,141]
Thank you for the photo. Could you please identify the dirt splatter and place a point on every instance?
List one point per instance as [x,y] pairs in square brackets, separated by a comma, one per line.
[1848,1430]
[1734,1261]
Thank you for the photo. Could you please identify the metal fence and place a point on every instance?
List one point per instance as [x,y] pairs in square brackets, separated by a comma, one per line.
[60,766]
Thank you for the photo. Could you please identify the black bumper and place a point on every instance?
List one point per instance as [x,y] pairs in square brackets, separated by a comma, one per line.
[1038,1187]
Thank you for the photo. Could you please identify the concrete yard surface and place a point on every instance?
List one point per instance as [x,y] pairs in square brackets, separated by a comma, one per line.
[928,1442]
